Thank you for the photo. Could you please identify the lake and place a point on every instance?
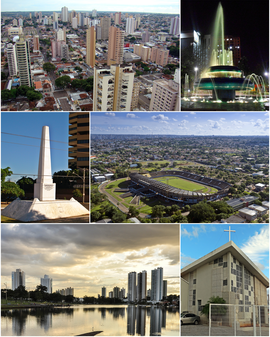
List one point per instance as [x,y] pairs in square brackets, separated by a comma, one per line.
[121,320]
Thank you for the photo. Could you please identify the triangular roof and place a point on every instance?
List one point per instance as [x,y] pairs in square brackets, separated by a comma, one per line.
[219,252]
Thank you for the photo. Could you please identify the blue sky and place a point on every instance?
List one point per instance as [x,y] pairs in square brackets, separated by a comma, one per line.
[199,240]
[151,6]
[181,123]
[23,159]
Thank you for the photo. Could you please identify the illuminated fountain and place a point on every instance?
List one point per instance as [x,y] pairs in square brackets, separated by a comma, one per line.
[222,77]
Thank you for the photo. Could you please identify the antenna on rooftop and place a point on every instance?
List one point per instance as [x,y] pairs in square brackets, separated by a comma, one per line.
[229,230]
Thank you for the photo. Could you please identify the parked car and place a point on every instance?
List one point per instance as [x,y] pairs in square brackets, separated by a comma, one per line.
[189,318]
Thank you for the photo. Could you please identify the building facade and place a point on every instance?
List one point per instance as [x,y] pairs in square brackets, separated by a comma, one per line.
[103,291]
[157,284]
[115,46]
[12,61]
[47,282]
[228,273]
[91,46]
[141,285]
[132,287]
[17,279]
[79,140]
[165,96]
[24,62]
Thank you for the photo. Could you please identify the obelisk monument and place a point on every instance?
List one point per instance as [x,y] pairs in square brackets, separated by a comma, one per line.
[44,188]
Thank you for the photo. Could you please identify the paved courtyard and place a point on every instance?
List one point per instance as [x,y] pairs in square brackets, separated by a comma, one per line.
[203,330]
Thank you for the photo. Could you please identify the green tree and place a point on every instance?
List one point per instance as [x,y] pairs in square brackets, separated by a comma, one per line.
[62,82]
[118,217]
[216,311]
[158,211]
[133,211]
[6,172]
[201,212]
[33,95]
[20,292]
[95,216]
[48,66]
[26,184]
[77,193]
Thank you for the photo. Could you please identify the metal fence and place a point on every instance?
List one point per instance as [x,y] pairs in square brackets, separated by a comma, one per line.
[238,320]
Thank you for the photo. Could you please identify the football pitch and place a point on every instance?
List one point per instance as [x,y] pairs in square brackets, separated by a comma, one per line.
[186,185]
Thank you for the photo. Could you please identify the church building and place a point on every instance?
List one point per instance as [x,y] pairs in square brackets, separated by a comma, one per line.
[228,273]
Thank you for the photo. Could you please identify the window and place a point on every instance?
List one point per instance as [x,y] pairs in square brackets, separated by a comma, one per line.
[224,282]
[231,282]
[234,260]
[215,261]
[83,141]
[194,281]
[224,264]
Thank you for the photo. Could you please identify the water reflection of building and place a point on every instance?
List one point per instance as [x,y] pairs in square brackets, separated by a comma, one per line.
[103,312]
[141,320]
[131,314]
[45,320]
[18,323]
[155,321]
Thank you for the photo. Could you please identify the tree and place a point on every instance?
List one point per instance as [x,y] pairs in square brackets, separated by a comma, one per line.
[158,211]
[95,216]
[48,66]
[20,292]
[6,172]
[23,89]
[10,189]
[201,212]
[118,217]
[26,184]
[133,212]
[62,81]
[33,95]
[77,193]
[216,311]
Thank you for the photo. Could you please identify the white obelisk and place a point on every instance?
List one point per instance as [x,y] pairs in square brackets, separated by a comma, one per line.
[44,188]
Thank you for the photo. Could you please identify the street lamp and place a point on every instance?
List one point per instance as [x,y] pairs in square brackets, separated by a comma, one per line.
[266,74]
[196,69]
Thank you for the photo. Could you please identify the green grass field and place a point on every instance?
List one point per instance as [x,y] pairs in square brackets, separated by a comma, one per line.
[186,184]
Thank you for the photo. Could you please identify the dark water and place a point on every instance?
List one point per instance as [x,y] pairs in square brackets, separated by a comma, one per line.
[210,106]
[112,320]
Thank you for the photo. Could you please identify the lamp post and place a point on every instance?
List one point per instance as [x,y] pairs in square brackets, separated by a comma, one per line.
[83,179]
[196,72]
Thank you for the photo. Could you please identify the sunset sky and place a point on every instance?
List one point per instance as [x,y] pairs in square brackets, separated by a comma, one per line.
[88,257]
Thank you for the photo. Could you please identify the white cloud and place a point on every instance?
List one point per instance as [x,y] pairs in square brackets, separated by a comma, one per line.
[193,113]
[160,118]
[110,114]
[175,120]
[183,124]
[257,246]
[131,116]
[196,230]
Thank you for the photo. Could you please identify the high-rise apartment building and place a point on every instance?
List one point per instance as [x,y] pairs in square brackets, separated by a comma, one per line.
[79,140]
[157,284]
[141,285]
[55,16]
[116,292]
[143,51]
[23,61]
[130,25]
[110,294]
[36,43]
[113,88]
[165,285]
[91,46]
[74,23]
[12,61]
[135,94]
[117,18]
[94,13]
[64,14]
[145,36]
[159,56]
[17,279]
[47,282]
[66,292]
[103,291]
[132,287]
[165,96]
[175,26]
[233,44]
[105,23]
[64,51]
[115,46]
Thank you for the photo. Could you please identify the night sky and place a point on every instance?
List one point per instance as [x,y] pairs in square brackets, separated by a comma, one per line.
[244,18]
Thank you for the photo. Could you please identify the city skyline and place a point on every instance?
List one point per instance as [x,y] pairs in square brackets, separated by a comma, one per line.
[252,239]
[171,7]
[85,257]
[181,123]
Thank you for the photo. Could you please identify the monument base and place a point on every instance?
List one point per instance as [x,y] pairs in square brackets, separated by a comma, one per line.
[36,210]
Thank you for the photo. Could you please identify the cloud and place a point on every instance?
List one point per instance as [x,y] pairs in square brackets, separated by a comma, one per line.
[193,113]
[160,118]
[110,114]
[196,230]
[175,120]
[131,116]
[183,124]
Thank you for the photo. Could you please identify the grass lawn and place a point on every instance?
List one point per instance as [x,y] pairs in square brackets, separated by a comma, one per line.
[183,184]
[5,219]
[122,183]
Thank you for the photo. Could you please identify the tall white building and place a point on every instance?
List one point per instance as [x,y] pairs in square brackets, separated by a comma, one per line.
[24,62]
[157,284]
[113,88]
[130,25]
[55,16]
[17,279]
[175,26]
[132,286]
[141,285]
[64,14]
[94,13]
[11,58]
[47,282]
[74,23]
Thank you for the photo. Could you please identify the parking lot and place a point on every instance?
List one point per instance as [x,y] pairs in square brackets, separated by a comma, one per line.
[203,330]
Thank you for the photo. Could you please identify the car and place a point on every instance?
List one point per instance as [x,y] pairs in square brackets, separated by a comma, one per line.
[189,318]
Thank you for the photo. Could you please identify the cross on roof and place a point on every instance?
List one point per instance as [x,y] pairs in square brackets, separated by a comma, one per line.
[229,230]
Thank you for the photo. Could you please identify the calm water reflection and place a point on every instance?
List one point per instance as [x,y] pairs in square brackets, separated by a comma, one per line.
[113,321]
